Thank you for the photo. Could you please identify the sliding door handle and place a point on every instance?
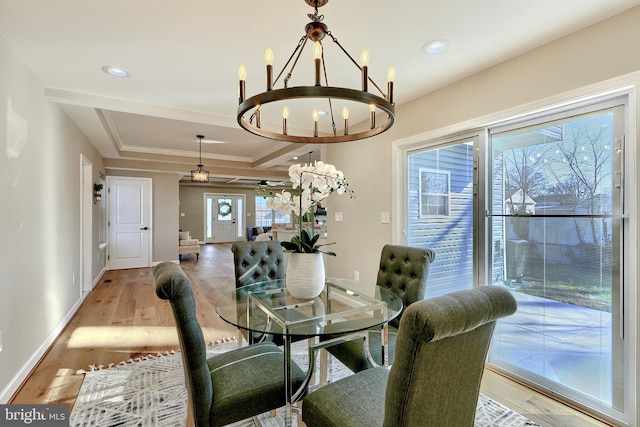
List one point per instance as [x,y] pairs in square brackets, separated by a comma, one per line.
[144,228]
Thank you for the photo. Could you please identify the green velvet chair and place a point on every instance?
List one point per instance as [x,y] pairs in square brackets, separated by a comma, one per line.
[403,270]
[258,261]
[228,387]
[435,378]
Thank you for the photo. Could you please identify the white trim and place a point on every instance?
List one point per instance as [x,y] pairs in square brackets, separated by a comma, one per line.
[86,224]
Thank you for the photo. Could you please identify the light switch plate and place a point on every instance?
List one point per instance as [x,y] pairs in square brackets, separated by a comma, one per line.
[338,216]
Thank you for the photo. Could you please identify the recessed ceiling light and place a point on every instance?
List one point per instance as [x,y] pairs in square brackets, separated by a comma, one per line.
[116,71]
[435,47]
[322,113]
[211,141]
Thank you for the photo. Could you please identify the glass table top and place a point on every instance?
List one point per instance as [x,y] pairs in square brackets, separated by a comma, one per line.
[344,306]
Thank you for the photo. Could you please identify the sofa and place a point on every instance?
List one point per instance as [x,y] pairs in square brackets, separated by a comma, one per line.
[253,232]
[187,245]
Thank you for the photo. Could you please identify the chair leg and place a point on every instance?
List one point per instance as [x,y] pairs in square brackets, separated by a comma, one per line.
[190,421]
[325,369]
[299,413]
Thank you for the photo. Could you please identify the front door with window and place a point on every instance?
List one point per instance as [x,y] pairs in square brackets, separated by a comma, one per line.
[224,217]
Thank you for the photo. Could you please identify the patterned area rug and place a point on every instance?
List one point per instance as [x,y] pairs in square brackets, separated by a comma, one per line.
[150,391]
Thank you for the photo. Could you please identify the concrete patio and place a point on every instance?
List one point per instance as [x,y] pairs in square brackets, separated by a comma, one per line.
[562,342]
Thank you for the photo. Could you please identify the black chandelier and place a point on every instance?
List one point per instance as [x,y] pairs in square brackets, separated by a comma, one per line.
[200,175]
[249,110]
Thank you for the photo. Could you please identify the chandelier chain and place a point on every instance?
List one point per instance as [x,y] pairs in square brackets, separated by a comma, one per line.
[335,40]
[326,80]
[315,17]
[301,43]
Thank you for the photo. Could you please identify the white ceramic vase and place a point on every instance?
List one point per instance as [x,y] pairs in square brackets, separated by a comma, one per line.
[305,275]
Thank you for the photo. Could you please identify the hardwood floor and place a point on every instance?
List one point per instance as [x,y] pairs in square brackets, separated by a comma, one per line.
[123,318]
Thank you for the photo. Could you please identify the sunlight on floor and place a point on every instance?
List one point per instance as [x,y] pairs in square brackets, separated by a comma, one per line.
[117,336]
[132,336]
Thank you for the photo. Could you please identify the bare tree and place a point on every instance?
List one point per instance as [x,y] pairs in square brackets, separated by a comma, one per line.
[586,153]
[522,168]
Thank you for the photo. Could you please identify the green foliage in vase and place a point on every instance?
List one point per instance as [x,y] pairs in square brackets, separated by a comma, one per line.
[306,243]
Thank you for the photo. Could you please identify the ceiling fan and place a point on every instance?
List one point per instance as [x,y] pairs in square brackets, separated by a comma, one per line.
[267,183]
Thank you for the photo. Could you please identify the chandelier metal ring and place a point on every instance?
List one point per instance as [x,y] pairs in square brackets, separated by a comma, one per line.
[250,110]
[329,92]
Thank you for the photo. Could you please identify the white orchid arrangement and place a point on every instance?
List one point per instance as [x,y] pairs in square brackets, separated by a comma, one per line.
[315,183]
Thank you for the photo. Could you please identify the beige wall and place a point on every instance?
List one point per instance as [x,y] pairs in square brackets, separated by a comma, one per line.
[192,206]
[165,212]
[39,219]
[603,51]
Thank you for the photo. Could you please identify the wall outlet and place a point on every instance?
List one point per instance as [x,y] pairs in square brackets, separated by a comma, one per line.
[384,217]
[338,216]
[356,275]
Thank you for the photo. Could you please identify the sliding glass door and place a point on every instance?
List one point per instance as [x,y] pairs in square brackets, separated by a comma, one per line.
[440,207]
[537,206]
[556,229]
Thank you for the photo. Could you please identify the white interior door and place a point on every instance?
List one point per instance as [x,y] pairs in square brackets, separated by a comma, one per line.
[129,222]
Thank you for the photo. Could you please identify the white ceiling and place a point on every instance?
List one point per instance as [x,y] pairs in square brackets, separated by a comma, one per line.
[184,57]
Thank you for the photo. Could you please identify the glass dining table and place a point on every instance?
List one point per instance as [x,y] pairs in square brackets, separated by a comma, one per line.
[343,311]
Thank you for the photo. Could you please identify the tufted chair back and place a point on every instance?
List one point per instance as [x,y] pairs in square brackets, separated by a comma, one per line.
[404,270]
[173,285]
[257,262]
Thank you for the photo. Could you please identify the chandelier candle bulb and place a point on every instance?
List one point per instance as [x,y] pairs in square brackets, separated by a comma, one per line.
[268,58]
[315,123]
[258,118]
[317,55]
[391,76]
[364,59]
[242,75]
[285,116]
[372,108]
[345,115]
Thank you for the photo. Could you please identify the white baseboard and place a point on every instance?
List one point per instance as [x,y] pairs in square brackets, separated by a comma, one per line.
[98,277]
[33,361]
